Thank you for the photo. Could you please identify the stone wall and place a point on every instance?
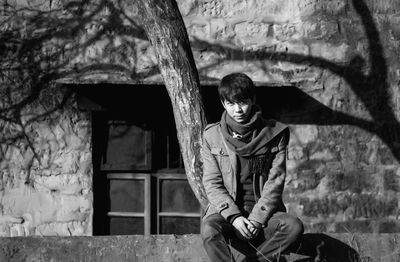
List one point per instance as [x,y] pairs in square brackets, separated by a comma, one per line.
[342,57]
[170,248]
[46,170]
[338,61]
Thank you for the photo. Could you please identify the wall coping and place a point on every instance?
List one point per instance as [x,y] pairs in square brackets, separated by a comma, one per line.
[370,247]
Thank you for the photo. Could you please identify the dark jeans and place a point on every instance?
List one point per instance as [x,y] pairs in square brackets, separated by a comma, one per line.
[281,235]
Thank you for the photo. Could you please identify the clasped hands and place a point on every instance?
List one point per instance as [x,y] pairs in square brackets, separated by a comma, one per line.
[246,229]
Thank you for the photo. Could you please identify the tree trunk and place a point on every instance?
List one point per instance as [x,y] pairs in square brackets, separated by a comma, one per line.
[166,31]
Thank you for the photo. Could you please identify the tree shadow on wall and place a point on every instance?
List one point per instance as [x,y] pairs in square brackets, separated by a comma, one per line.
[371,88]
[41,43]
[38,44]
[284,102]
[31,61]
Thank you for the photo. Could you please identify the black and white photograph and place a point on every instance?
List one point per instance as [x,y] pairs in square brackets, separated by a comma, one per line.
[200,130]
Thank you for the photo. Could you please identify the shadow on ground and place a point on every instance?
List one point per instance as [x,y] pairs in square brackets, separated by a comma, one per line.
[323,248]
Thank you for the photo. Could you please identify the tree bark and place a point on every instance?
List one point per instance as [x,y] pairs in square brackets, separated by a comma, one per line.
[166,31]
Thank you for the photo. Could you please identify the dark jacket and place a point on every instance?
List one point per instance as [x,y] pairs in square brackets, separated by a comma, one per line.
[220,174]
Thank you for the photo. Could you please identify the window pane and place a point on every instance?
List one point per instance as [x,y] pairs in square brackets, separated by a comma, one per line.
[128,148]
[177,196]
[179,225]
[127,195]
[126,226]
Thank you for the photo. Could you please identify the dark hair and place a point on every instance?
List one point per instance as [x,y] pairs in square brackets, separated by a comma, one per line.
[236,87]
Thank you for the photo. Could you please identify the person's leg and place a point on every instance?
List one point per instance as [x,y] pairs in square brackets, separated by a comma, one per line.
[215,231]
[220,242]
[281,235]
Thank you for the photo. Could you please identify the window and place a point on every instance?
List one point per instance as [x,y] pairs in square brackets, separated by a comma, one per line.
[130,207]
[140,185]
[139,181]
[176,212]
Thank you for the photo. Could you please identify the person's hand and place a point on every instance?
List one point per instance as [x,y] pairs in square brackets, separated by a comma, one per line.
[242,225]
[255,228]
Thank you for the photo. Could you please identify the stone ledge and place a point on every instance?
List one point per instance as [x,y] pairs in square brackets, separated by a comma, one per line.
[370,247]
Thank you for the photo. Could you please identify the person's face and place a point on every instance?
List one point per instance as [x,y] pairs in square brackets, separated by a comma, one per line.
[239,111]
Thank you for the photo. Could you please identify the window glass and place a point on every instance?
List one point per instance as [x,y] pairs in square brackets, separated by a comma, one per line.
[177,196]
[127,148]
[179,225]
[126,195]
[126,226]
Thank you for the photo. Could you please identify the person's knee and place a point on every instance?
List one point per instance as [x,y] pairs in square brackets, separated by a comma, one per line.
[207,231]
[292,226]
[297,227]
[210,231]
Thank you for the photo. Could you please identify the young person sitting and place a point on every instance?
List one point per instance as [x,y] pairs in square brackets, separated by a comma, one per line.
[244,175]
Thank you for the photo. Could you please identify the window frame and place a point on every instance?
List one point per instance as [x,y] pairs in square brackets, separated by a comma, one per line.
[170,176]
[146,214]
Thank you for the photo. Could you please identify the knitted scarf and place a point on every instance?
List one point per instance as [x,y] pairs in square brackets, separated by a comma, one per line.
[253,138]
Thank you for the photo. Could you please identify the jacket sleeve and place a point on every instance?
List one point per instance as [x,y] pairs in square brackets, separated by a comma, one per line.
[271,195]
[217,194]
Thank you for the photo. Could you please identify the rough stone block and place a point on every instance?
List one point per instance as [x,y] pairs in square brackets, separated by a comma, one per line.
[330,52]
[305,134]
[171,248]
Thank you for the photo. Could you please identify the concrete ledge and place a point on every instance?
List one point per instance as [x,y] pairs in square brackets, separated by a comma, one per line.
[332,247]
